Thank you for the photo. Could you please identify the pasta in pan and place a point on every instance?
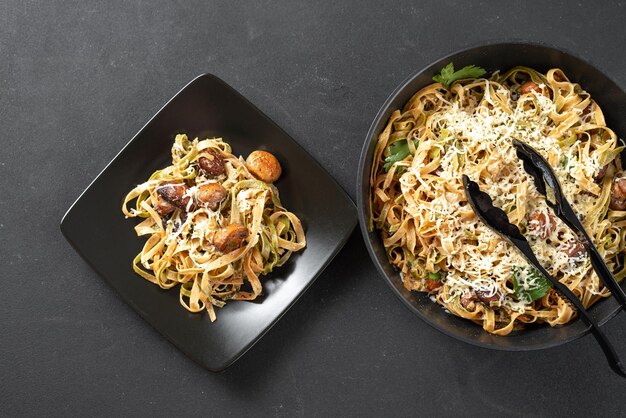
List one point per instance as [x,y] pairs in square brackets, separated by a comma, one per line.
[429,230]
[214,223]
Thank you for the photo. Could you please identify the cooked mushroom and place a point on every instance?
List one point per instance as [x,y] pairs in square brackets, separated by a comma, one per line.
[542,224]
[598,178]
[432,285]
[618,194]
[212,163]
[467,300]
[230,238]
[488,299]
[529,86]
[211,195]
[573,248]
[175,194]
[163,207]
[264,166]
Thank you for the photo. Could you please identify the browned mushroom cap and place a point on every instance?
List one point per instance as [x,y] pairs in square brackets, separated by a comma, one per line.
[467,300]
[488,299]
[432,285]
[211,195]
[230,238]
[574,248]
[211,163]
[529,86]
[543,225]
[264,166]
[163,207]
[618,194]
[174,193]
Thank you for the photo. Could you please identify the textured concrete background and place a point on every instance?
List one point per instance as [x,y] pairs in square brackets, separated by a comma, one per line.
[77,80]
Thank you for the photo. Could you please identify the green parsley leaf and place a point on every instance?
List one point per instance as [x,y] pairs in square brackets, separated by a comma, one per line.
[434,276]
[539,288]
[447,76]
[398,151]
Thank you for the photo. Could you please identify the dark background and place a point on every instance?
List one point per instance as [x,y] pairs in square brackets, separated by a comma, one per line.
[77,80]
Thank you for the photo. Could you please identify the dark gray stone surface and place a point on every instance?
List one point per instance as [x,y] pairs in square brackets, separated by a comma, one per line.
[78,79]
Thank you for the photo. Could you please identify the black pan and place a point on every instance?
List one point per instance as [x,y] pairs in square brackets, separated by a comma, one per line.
[495,56]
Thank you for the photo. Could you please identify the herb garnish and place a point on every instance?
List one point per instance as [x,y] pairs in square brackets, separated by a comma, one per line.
[447,76]
[537,289]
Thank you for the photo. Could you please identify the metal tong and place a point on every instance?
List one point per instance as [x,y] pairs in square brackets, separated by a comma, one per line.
[547,184]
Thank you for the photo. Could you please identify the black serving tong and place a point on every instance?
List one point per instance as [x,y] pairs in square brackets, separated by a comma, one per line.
[548,185]
[498,221]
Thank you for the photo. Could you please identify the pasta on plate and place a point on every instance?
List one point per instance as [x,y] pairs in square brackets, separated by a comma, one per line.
[433,237]
[214,222]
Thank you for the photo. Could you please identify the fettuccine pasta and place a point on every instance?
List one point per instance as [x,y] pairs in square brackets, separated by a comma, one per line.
[430,232]
[212,226]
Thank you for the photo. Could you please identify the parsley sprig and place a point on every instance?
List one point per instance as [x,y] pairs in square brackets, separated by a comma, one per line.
[447,76]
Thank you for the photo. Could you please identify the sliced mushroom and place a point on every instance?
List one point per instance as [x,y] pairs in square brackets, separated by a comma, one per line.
[264,166]
[230,238]
[212,163]
[211,195]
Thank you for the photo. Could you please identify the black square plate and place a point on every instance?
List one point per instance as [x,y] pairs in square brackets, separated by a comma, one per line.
[96,228]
